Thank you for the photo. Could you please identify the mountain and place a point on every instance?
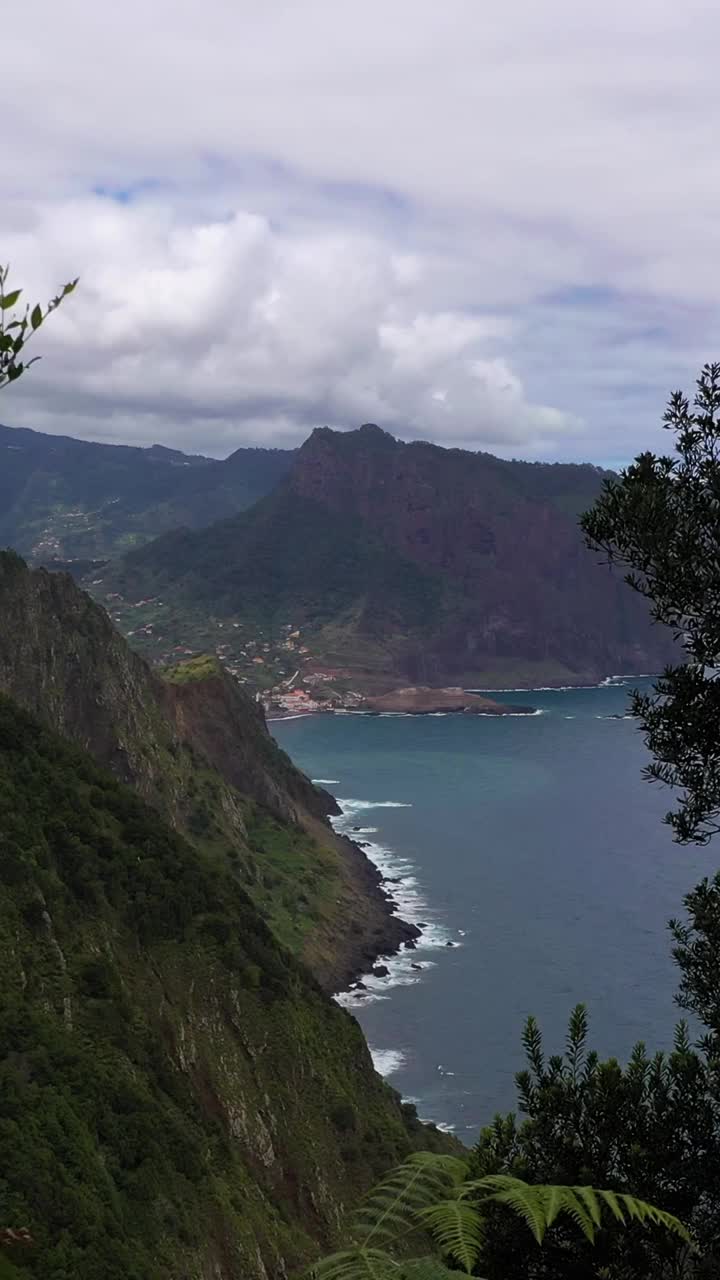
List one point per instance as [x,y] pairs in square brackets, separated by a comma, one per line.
[196,747]
[74,499]
[413,563]
[179,1095]
[178,1098]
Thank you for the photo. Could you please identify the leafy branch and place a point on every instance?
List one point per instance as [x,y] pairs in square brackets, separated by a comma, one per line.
[16,330]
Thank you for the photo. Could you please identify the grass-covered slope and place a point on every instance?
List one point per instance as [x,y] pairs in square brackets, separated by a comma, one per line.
[177,1096]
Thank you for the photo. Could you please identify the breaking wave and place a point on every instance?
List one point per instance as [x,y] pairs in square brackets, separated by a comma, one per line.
[408,901]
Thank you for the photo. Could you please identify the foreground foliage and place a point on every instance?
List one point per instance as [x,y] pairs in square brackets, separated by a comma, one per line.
[435,1196]
[661,521]
[17,328]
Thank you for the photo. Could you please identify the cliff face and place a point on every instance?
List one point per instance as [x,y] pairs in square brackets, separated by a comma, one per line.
[177,1095]
[407,560]
[503,538]
[197,748]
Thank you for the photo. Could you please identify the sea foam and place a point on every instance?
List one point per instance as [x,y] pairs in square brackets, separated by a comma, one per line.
[387,1061]
[405,968]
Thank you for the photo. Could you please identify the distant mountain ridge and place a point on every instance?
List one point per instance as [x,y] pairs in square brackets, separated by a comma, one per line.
[68,499]
[416,563]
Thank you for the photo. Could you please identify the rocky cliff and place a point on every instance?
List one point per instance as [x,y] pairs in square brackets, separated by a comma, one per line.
[178,1098]
[196,748]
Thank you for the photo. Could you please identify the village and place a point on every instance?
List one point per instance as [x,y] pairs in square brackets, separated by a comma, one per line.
[276,666]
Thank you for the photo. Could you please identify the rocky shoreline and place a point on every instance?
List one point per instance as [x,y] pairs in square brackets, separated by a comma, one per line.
[365,926]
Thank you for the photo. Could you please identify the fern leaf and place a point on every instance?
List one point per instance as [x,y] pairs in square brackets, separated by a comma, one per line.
[612,1201]
[574,1206]
[519,1196]
[554,1203]
[390,1209]
[356,1264]
[643,1212]
[458,1229]
[539,1206]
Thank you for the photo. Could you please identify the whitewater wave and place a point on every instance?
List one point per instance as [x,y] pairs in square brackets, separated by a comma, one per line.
[356,806]
[408,901]
[300,715]
[326,782]
[387,1061]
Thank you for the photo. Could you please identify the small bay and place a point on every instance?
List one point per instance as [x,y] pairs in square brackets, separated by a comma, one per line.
[534,846]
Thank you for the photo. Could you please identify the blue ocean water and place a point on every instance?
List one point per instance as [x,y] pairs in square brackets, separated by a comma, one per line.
[532,844]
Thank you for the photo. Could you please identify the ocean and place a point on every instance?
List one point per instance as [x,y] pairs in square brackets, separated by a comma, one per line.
[533,845]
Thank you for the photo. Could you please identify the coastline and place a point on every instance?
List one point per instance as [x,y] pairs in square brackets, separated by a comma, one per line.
[394,965]
[498,712]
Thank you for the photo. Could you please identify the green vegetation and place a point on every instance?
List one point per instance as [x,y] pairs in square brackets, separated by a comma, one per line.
[661,521]
[17,328]
[295,882]
[174,1089]
[204,667]
[288,559]
[435,1196]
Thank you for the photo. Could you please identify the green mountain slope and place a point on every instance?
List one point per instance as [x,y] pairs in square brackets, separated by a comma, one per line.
[73,499]
[177,1096]
[196,747]
[409,562]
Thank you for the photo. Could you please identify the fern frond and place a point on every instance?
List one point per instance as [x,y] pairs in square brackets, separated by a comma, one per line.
[554,1203]
[576,1208]
[458,1229]
[612,1201]
[539,1206]
[646,1213]
[519,1196]
[356,1264]
[389,1210]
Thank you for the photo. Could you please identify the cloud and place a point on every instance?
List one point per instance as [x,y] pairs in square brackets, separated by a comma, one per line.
[484,223]
[232,331]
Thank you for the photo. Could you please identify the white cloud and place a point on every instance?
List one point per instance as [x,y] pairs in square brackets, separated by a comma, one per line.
[217,328]
[387,212]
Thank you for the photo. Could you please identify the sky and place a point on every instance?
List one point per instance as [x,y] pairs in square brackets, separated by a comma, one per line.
[494,224]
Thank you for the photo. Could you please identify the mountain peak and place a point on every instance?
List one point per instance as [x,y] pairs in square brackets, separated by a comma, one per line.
[367,434]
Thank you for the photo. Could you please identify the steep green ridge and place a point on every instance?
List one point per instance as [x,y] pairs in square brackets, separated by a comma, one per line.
[412,563]
[177,1095]
[199,751]
[72,499]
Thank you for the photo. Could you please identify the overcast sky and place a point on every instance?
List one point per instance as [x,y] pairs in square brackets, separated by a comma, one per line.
[489,223]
